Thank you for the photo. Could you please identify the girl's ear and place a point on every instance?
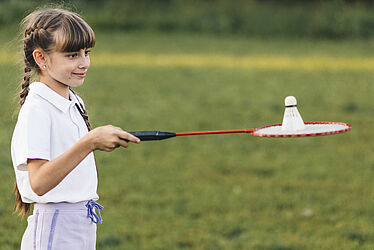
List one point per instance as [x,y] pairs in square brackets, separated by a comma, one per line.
[40,59]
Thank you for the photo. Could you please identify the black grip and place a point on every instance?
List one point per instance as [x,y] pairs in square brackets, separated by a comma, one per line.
[152,135]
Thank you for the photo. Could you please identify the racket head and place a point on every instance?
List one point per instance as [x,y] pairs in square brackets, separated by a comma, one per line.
[311,129]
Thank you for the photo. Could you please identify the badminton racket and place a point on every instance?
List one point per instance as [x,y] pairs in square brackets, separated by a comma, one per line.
[311,129]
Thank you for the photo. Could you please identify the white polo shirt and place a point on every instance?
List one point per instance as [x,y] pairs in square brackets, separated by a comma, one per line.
[48,125]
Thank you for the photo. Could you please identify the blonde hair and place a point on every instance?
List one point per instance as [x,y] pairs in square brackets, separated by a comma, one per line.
[50,30]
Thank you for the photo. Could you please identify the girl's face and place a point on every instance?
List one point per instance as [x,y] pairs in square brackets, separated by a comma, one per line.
[67,68]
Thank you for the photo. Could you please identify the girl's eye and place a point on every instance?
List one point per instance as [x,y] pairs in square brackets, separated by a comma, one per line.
[87,52]
[72,55]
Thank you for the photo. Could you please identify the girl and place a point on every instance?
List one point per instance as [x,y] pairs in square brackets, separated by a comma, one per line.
[52,145]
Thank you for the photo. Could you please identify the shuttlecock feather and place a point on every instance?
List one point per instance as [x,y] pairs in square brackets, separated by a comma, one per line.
[292,120]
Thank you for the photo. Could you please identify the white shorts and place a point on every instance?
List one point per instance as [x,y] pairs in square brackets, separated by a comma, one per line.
[55,226]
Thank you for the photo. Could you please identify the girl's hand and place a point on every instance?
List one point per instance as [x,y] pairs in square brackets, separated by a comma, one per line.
[108,138]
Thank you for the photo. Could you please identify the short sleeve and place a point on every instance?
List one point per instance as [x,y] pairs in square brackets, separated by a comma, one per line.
[32,136]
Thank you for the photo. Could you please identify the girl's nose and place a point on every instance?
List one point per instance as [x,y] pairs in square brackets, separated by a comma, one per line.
[84,62]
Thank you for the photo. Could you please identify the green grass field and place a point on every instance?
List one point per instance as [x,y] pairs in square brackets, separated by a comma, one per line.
[223,191]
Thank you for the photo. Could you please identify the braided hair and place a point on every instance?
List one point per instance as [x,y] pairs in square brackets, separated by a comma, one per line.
[50,30]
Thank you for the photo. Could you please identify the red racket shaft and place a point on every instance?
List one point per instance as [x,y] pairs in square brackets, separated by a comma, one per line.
[216,132]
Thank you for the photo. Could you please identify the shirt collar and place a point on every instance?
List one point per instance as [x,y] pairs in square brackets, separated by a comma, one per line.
[51,96]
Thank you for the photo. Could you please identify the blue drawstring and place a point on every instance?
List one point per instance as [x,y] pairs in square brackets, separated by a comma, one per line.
[95,218]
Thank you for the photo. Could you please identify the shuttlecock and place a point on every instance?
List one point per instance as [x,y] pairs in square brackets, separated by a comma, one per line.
[292,120]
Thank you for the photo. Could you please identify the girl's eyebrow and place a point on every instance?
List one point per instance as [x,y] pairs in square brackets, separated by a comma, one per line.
[78,51]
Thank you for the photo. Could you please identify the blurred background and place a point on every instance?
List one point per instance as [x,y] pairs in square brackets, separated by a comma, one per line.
[180,66]
[285,18]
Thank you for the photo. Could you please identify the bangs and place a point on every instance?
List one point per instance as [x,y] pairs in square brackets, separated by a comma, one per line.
[74,35]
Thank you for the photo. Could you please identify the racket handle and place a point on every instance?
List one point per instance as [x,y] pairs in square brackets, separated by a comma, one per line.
[152,135]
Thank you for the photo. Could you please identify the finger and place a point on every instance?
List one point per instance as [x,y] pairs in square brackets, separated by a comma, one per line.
[126,136]
[116,145]
[123,143]
[118,128]
[107,149]
[129,137]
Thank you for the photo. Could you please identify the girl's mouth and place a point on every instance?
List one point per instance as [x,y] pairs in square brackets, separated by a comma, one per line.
[80,75]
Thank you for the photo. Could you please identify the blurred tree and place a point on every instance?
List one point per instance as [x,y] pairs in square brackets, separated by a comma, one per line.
[297,18]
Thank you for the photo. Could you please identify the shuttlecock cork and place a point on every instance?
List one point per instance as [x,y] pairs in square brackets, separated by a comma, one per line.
[292,120]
